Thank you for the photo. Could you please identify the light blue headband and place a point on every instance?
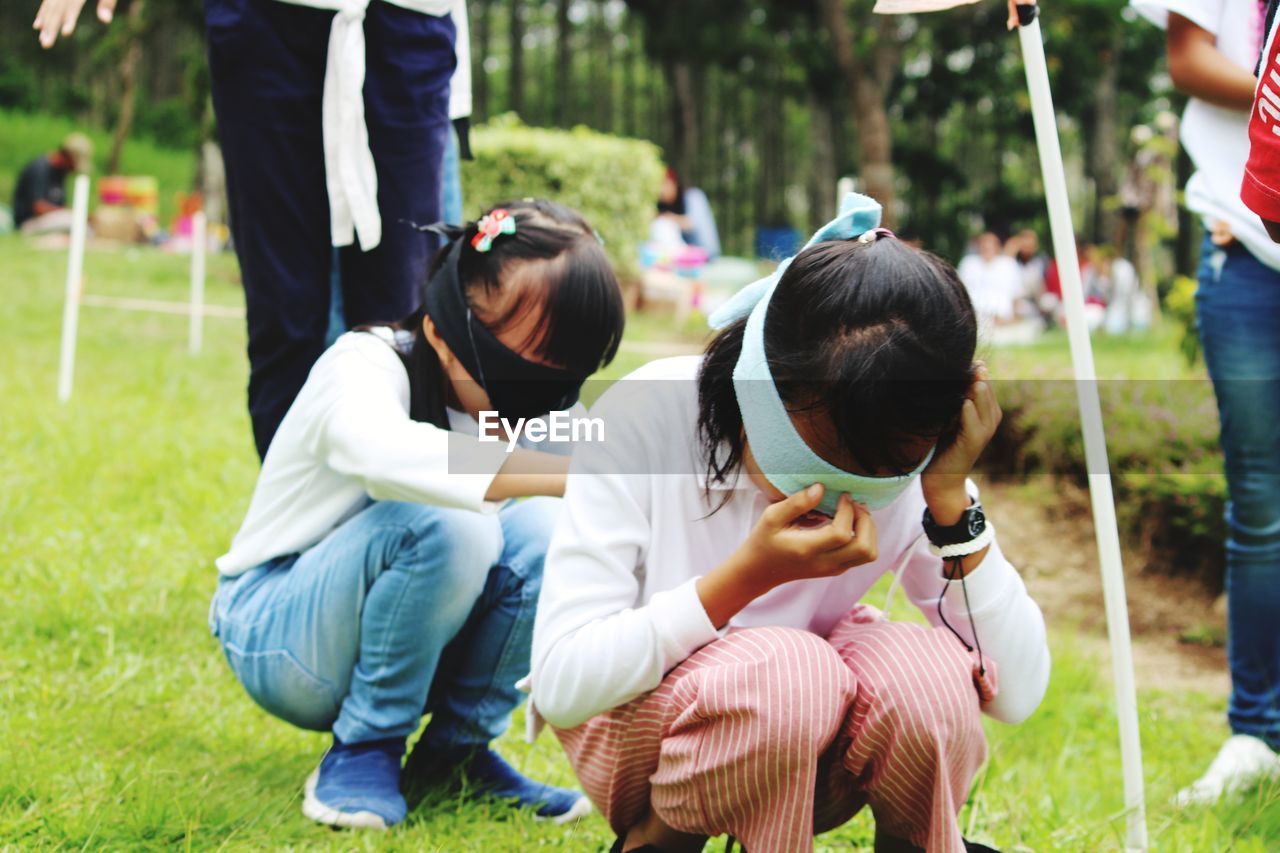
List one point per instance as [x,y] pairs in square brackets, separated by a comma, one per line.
[784,457]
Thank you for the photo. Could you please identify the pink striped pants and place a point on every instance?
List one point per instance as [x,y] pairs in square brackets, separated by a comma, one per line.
[775,734]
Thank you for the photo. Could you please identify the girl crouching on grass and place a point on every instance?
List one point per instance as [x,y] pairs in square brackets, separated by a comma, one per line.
[700,644]
[378,576]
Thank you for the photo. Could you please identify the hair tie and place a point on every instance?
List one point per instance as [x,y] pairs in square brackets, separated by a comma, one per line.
[491,225]
[875,234]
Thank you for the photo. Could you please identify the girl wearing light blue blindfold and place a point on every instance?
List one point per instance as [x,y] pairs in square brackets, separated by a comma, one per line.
[700,645]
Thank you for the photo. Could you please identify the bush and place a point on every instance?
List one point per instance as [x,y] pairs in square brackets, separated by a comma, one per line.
[1166,464]
[612,181]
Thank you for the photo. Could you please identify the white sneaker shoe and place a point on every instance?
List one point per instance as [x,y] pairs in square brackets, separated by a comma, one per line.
[1242,762]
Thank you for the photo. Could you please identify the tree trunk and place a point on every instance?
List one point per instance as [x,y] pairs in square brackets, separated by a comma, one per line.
[602,52]
[564,63]
[822,184]
[515,80]
[479,75]
[1102,147]
[866,85]
[128,85]
[630,122]
[684,117]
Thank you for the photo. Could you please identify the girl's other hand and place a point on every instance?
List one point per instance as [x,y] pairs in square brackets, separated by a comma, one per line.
[943,480]
[788,543]
[58,17]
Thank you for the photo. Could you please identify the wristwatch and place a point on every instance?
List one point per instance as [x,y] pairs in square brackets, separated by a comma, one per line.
[973,521]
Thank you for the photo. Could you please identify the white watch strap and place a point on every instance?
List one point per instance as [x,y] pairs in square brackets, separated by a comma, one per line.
[963,549]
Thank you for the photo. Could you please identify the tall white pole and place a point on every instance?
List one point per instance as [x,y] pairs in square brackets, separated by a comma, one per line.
[199,242]
[1095,445]
[75,273]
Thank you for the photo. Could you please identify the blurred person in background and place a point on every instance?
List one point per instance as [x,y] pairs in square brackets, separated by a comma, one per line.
[40,196]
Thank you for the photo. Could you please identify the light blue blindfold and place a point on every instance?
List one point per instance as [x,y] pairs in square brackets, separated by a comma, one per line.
[784,457]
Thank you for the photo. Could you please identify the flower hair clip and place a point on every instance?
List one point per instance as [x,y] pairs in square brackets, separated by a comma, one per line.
[492,224]
[874,234]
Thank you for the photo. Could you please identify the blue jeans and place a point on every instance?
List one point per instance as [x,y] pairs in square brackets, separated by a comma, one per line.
[403,609]
[1238,307]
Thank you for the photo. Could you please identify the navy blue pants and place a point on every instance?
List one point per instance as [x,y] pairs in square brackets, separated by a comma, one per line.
[267,63]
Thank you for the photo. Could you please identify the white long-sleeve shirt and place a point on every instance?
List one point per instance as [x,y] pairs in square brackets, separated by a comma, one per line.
[348,439]
[619,608]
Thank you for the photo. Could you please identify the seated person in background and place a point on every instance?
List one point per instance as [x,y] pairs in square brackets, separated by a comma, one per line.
[993,280]
[690,211]
[1024,248]
[39,198]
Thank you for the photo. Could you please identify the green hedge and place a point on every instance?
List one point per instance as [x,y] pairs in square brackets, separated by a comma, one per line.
[1162,441]
[612,181]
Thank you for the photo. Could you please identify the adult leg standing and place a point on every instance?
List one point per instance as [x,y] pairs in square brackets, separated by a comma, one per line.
[267,64]
[409,62]
[1238,304]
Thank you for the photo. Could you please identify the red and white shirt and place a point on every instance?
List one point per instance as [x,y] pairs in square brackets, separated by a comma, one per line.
[1260,190]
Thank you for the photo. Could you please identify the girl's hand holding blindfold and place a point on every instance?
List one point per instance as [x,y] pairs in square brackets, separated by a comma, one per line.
[787,544]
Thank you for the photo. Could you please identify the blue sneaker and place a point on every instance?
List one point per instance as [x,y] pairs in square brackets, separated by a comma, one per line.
[357,786]
[488,774]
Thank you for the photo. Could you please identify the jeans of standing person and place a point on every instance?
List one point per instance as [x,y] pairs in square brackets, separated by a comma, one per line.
[1238,305]
[451,186]
[403,609]
[267,64]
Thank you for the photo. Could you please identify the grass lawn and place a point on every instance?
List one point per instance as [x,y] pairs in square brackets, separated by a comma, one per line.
[123,728]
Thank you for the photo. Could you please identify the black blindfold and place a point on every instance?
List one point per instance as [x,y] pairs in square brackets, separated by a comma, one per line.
[517,387]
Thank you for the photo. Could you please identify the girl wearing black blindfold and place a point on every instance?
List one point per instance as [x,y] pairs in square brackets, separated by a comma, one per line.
[374,578]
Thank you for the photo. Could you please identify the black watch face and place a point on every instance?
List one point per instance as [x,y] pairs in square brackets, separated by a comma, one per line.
[977,522]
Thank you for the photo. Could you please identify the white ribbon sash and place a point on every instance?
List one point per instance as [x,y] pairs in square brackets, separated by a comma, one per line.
[350,176]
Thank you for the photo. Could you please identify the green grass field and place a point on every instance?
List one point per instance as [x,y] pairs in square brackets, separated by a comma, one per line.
[122,727]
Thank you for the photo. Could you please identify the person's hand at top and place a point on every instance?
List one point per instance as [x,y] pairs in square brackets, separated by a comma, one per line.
[58,17]
[1012,21]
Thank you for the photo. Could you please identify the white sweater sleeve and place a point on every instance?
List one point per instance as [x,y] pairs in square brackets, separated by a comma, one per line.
[1009,624]
[363,429]
[594,646]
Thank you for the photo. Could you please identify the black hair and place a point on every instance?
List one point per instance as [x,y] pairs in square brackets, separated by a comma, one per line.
[878,336]
[676,206]
[554,263]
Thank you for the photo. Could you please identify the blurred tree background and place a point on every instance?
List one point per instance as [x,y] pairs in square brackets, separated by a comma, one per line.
[762,103]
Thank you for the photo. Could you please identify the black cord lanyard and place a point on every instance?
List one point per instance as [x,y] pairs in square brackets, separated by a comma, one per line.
[953,567]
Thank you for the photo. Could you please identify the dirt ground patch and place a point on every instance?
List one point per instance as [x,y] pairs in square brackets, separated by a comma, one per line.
[1051,541]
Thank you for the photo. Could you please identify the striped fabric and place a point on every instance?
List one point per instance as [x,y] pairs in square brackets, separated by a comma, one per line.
[773,734]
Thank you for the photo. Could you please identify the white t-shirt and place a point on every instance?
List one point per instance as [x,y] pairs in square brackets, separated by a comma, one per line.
[994,285]
[348,439]
[1217,138]
[619,608]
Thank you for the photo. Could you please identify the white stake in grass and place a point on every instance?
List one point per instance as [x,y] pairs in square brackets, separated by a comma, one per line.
[1095,443]
[75,273]
[199,242]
